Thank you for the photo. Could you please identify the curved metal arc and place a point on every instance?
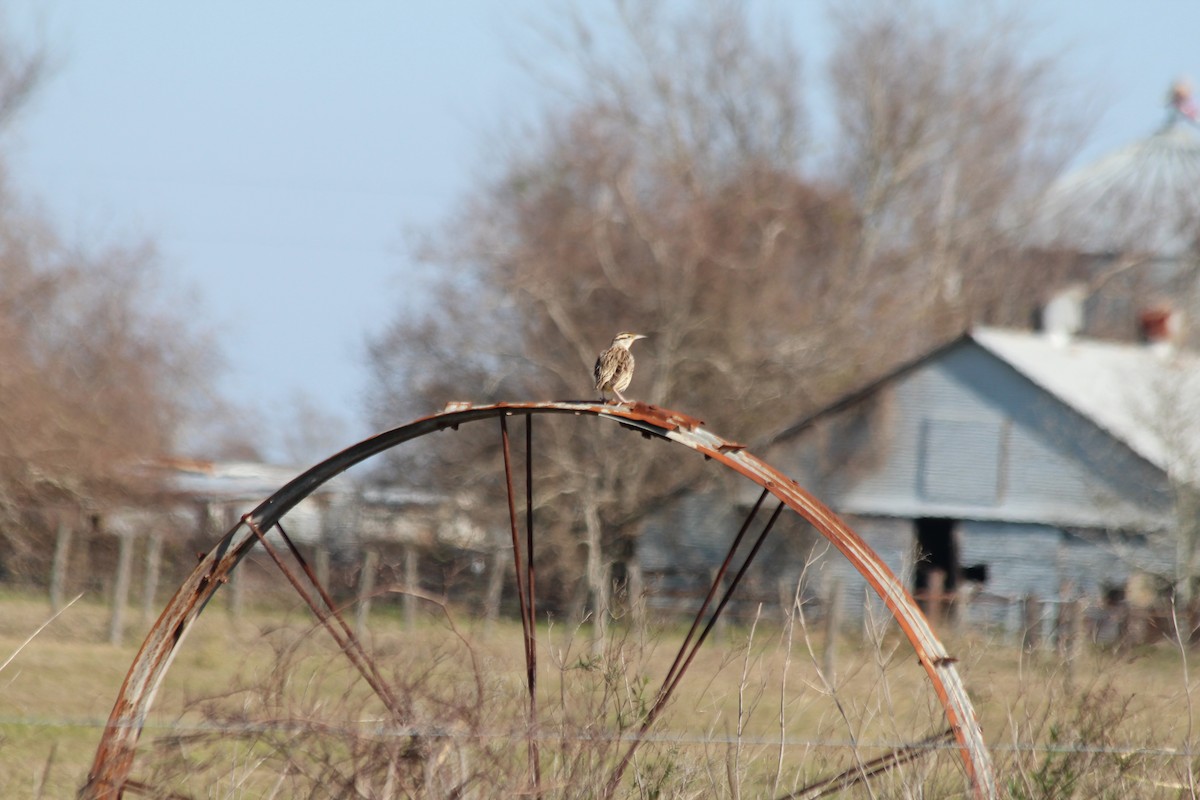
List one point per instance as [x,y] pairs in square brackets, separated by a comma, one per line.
[931,654]
[114,755]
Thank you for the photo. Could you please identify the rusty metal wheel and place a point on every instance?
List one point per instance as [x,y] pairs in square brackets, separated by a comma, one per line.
[401,738]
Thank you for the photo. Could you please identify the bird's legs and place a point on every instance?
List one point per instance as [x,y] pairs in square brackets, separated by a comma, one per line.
[620,397]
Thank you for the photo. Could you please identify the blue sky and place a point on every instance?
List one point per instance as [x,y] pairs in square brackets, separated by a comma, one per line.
[282,155]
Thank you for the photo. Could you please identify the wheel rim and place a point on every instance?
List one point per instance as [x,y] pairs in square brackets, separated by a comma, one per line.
[113,762]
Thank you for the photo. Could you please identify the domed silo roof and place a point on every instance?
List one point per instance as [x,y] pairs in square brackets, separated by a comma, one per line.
[1143,198]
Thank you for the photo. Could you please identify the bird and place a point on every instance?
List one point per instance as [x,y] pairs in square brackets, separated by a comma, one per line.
[614,367]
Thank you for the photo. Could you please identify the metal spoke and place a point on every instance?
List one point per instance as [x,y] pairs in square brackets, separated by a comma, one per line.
[712,591]
[876,766]
[346,640]
[669,687]
[531,629]
[523,596]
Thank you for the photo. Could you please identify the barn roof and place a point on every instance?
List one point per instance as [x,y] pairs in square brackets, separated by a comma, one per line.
[1147,397]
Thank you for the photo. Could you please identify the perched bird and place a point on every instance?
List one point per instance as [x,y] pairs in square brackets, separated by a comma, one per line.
[614,367]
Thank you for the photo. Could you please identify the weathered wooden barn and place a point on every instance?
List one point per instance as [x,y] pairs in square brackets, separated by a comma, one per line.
[1019,462]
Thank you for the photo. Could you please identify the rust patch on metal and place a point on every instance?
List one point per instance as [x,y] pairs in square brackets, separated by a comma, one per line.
[672,420]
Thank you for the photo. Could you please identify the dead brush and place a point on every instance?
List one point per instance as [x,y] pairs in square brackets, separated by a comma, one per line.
[754,716]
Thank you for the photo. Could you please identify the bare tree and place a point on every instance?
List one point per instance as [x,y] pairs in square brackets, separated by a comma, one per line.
[95,373]
[948,131]
[664,194]
[97,363]
[663,198]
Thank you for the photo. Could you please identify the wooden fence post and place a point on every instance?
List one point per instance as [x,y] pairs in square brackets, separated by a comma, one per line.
[833,622]
[722,621]
[154,545]
[58,568]
[366,588]
[411,584]
[1067,637]
[120,595]
[1031,637]
[635,590]
[321,567]
[237,578]
[497,569]
[935,591]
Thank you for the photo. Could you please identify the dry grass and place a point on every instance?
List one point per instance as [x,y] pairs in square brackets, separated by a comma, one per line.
[267,708]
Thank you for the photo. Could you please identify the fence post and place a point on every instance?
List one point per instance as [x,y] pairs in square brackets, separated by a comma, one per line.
[1067,638]
[1031,637]
[321,567]
[410,585]
[366,588]
[719,628]
[635,589]
[833,622]
[58,568]
[153,570]
[935,592]
[237,577]
[120,595]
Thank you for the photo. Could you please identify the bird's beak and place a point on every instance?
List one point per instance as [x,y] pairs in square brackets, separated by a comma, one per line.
[640,336]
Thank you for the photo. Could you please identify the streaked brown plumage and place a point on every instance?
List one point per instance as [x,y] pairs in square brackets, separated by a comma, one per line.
[614,367]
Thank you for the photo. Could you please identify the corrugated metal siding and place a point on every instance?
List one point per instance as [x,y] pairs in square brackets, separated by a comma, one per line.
[965,436]
[1020,558]
[960,460]
[970,438]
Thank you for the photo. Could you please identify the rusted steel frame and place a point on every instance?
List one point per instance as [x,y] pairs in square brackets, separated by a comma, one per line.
[712,591]
[530,584]
[347,631]
[931,654]
[516,541]
[725,598]
[326,598]
[114,754]
[346,641]
[116,749]
[876,766]
[669,688]
[523,601]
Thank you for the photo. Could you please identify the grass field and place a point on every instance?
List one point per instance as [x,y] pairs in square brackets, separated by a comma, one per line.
[267,707]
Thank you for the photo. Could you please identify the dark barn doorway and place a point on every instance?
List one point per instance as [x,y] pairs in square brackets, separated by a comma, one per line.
[935,578]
